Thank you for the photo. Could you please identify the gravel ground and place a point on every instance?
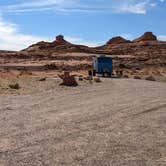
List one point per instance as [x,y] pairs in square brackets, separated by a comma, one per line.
[119,122]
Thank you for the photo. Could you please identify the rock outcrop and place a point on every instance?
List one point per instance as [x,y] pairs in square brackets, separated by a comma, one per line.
[147,44]
[60,45]
[141,53]
[60,41]
[147,36]
[118,40]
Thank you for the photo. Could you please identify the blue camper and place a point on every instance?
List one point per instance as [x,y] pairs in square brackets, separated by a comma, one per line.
[102,65]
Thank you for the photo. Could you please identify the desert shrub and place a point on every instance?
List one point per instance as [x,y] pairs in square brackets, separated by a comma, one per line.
[126,76]
[51,66]
[122,65]
[14,86]
[137,77]
[150,78]
[80,78]
[97,79]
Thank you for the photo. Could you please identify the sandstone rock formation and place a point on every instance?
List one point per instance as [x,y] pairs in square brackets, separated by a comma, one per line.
[118,40]
[60,45]
[147,36]
[142,53]
[60,40]
[68,80]
[144,45]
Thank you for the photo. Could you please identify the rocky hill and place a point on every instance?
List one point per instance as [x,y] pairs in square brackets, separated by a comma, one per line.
[147,36]
[143,52]
[144,45]
[60,45]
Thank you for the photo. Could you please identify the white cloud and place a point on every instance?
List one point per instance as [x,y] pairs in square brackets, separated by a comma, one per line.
[137,8]
[40,5]
[68,6]
[77,40]
[11,38]
[127,36]
[162,37]
[37,3]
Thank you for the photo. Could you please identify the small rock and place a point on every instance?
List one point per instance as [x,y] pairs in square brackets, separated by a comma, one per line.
[150,78]
[43,79]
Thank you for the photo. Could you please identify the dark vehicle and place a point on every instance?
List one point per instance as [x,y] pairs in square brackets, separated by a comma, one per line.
[102,65]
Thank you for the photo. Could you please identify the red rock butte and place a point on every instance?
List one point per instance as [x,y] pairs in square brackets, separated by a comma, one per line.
[147,36]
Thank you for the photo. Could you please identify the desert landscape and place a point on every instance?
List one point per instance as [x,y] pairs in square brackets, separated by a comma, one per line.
[143,56]
[111,122]
[116,122]
[82,83]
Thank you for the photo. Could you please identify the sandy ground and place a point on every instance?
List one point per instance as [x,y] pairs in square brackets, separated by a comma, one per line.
[119,122]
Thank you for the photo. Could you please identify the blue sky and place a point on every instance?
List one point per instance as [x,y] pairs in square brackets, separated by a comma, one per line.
[89,22]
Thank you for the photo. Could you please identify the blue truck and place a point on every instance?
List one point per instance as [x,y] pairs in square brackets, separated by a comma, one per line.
[102,65]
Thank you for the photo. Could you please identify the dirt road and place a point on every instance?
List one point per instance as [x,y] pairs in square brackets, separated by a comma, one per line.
[114,123]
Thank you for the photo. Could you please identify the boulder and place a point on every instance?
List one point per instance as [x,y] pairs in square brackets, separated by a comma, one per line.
[68,80]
